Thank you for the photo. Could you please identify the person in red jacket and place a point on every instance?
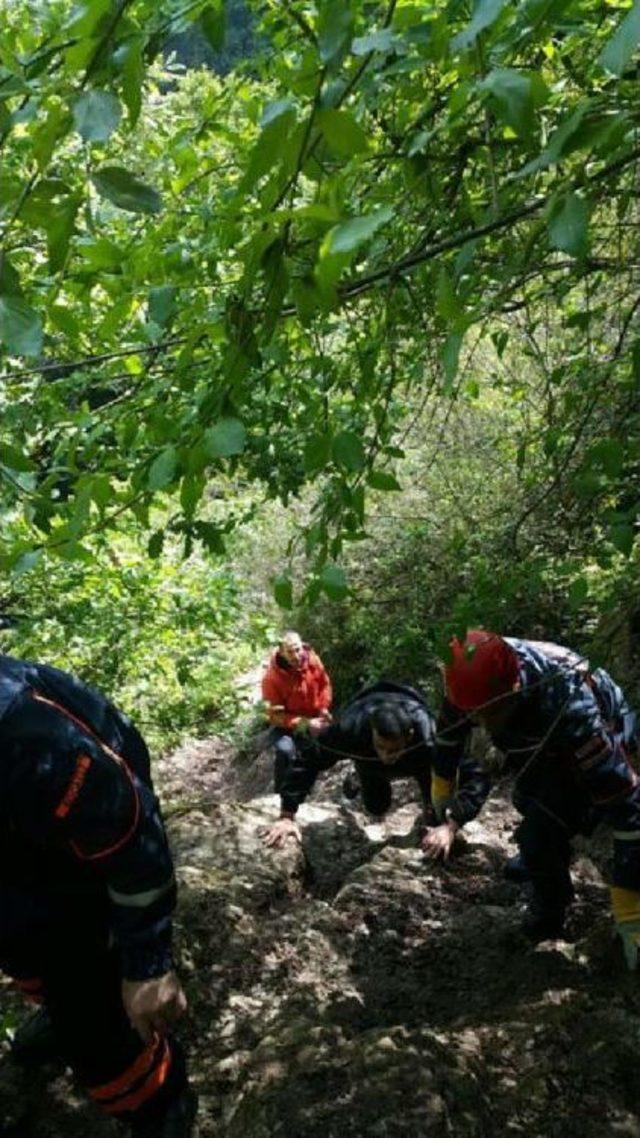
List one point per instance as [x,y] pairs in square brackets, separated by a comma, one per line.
[297,691]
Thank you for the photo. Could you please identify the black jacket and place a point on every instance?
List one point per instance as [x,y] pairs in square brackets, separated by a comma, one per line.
[351,738]
[78,816]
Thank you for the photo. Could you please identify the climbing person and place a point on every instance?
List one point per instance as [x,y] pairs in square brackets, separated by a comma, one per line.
[568,735]
[389,732]
[297,691]
[87,890]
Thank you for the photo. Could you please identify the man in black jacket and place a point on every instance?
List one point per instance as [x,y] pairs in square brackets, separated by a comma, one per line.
[86,895]
[389,733]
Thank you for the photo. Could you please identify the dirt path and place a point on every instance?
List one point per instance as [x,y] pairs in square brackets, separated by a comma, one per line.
[360,991]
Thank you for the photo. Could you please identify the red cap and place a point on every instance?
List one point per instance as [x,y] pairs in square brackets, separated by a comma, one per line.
[483,667]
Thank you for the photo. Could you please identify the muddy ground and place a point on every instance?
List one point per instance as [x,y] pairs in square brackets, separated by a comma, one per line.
[354,989]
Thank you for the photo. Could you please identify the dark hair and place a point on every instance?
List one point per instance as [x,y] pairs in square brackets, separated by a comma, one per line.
[391,721]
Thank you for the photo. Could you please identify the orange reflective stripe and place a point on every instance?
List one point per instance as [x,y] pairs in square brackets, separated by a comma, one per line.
[112,755]
[121,841]
[149,1071]
[149,1088]
[140,1067]
[79,723]
[83,762]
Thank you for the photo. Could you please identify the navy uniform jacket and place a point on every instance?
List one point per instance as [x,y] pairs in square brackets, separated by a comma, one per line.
[564,714]
[351,738]
[78,816]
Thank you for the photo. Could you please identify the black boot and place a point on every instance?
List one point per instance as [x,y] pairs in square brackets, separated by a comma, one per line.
[516,870]
[176,1120]
[34,1043]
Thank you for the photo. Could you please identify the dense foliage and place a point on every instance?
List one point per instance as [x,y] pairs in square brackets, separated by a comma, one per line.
[393,224]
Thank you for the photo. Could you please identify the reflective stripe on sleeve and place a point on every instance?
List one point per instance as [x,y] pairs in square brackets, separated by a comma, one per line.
[143,899]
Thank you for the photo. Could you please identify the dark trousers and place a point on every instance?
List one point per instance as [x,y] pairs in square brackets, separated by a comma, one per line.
[299,759]
[63,959]
[375,786]
[554,809]
[299,755]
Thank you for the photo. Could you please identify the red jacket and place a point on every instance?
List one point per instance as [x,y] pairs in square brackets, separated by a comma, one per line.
[303,692]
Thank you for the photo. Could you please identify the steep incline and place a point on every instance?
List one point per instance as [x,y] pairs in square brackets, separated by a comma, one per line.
[356,990]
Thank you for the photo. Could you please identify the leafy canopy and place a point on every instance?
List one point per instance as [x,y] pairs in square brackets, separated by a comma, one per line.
[206,282]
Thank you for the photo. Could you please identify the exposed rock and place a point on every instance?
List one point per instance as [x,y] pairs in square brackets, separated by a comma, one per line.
[353,988]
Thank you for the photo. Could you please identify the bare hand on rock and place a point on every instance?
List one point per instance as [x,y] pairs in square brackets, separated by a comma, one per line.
[438,842]
[284,828]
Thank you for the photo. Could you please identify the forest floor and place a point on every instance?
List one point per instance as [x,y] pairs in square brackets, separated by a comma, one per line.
[351,988]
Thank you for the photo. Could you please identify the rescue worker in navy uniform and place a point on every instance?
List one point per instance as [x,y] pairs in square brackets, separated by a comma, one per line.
[569,736]
[388,730]
[86,895]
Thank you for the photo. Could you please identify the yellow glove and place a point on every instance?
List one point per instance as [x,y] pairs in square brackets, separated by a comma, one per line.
[626,911]
[442,791]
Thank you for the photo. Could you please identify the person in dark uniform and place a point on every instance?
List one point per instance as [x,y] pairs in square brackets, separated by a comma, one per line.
[389,733]
[87,890]
[569,737]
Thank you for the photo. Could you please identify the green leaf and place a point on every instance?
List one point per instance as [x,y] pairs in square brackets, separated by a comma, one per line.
[132,64]
[384,40]
[71,551]
[622,535]
[126,191]
[191,491]
[163,468]
[569,225]
[156,544]
[451,357]
[382,480]
[618,51]
[560,143]
[334,30]
[278,120]
[211,537]
[348,451]
[227,438]
[283,591]
[609,455]
[26,561]
[350,235]
[49,132]
[9,279]
[334,582]
[162,304]
[213,23]
[317,452]
[13,458]
[60,229]
[447,303]
[20,327]
[515,96]
[343,135]
[578,592]
[101,491]
[485,13]
[96,115]
[308,297]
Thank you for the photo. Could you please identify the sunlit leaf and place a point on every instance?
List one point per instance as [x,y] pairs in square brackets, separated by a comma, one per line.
[20,327]
[96,115]
[126,191]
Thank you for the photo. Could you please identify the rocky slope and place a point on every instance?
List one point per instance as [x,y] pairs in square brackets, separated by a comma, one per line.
[354,989]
